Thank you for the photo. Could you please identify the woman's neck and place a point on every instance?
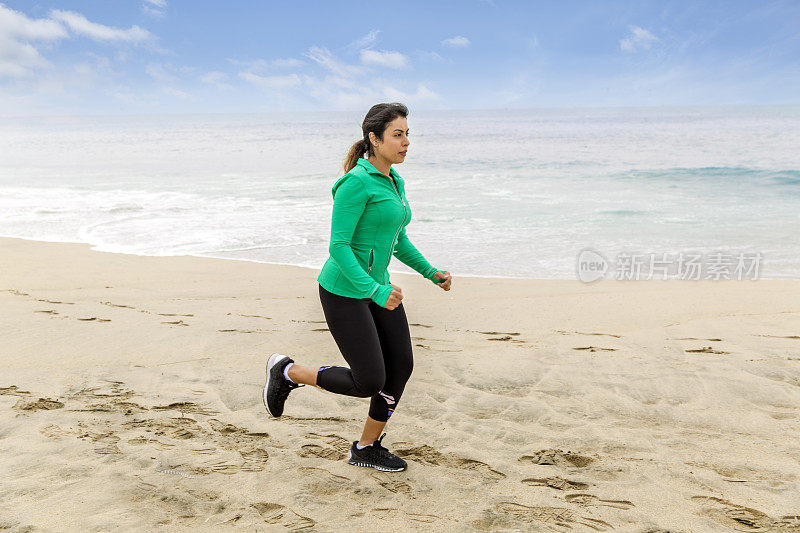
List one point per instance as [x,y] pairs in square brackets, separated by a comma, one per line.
[382,166]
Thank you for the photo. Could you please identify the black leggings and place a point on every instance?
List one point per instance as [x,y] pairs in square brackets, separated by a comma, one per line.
[376,344]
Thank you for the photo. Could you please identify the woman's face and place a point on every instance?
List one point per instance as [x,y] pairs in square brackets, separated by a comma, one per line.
[395,141]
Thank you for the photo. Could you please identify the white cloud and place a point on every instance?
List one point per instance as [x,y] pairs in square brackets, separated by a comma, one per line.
[155,8]
[324,57]
[18,57]
[384,58]
[215,78]
[638,38]
[431,56]
[14,24]
[456,42]
[172,91]
[271,82]
[288,62]
[365,41]
[159,73]
[259,65]
[153,12]
[81,26]
[422,94]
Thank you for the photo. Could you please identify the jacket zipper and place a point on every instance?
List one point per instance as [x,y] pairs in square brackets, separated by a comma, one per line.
[401,224]
[371,258]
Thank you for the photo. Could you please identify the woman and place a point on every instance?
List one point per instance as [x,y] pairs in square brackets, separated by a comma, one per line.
[363,309]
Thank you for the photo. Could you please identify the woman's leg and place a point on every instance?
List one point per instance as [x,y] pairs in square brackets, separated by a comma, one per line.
[395,340]
[353,328]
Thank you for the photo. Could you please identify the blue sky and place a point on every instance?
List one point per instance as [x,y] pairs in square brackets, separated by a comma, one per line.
[195,56]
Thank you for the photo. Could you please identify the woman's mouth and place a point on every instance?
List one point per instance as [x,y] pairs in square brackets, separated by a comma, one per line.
[403,153]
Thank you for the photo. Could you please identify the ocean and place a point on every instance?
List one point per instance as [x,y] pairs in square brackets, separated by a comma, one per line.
[497,193]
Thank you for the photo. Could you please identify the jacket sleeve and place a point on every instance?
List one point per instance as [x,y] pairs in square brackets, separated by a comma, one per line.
[408,254]
[349,202]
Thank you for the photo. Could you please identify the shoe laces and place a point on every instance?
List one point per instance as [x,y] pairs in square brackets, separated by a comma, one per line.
[284,391]
[380,449]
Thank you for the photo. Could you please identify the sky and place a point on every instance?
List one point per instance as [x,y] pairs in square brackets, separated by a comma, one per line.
[242,56]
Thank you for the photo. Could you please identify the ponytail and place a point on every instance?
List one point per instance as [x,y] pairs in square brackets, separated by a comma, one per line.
[358,149]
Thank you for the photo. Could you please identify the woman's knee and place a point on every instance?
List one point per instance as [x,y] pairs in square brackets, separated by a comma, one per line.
[369,384]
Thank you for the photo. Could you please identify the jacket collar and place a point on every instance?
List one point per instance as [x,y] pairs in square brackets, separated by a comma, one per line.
[370,168]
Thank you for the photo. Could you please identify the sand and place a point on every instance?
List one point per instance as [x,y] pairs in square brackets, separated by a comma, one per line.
[130,399]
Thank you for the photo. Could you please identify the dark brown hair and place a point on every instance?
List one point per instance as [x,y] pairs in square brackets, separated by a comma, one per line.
[378,118]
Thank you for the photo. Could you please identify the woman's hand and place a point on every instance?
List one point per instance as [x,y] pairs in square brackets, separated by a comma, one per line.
[395,297]
[445,285]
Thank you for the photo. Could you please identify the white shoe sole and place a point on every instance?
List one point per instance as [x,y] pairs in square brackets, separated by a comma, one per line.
[273,360]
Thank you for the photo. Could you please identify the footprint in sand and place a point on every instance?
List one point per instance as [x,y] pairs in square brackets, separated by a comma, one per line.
[554,518]
[564,332]
[555,482]
[217,447]
[42,404]
[778,336]
[114,397]
[421,325]
[185,407]
[177,323]
[95,319]
[253,316]
[506,336]
[391,512]
[274,513]
[47,311]
[557,458]
[595,348]
[16,292]
[323,452]
[117,305]
[429,455]
[336,447]
[54,301]
[320,483]
[170,503]
[589,500]
[341,444]
[697,339]
[393,485]
[706,349]
[13,390]
[741,518]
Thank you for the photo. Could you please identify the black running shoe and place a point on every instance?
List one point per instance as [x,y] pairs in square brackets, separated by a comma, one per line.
[277,387]
[376,456]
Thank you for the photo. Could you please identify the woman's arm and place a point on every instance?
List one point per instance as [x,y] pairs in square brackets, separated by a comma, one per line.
[408,254]
[349,202]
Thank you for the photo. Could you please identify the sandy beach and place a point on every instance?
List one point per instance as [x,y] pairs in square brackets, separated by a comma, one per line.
[130,399]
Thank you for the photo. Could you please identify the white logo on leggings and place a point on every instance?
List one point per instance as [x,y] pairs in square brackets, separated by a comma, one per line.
[389,399]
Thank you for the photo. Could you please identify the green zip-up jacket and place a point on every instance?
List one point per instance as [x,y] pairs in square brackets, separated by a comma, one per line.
[370,213]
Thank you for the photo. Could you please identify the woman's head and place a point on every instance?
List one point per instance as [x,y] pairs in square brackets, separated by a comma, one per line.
[380,137]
